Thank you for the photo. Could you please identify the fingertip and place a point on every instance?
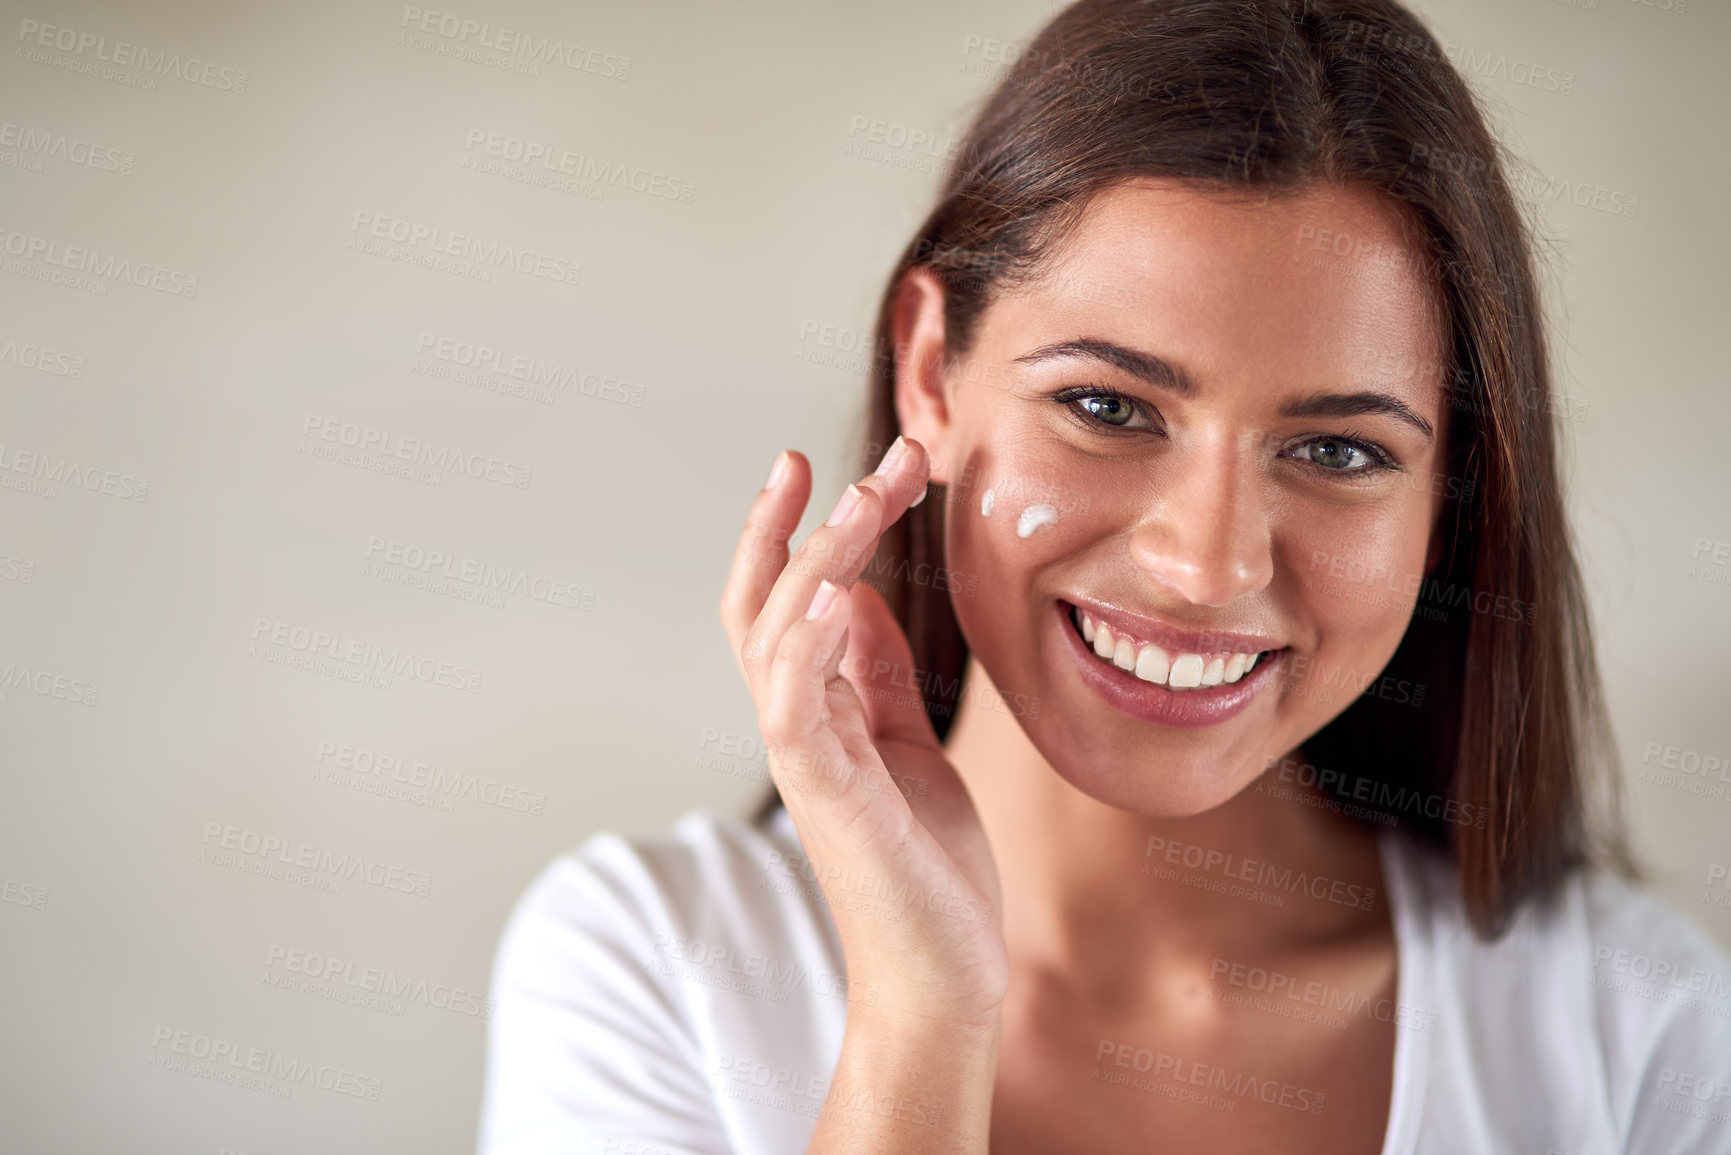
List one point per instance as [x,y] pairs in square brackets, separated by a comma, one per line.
[822,600]
[777,471]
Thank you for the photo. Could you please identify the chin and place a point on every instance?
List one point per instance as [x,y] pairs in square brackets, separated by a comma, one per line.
[1148,782]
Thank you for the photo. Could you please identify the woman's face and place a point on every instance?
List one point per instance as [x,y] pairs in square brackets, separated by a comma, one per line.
[1216,425]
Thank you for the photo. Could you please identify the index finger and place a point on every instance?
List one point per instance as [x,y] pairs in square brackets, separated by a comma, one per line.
[762,551]
[840,548]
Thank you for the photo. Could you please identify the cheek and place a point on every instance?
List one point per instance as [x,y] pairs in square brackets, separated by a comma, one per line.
[1007,520]
[1357,573]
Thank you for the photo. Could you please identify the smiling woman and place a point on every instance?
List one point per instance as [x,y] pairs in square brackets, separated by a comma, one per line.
[1260,779]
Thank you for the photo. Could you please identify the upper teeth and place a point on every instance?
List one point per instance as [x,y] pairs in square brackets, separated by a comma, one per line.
[1154,664]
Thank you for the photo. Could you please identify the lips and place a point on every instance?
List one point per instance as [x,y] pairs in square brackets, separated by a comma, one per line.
[1152,662]
[1200,661]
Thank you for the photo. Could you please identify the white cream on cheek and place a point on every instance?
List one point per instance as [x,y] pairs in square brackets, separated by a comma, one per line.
[986,501]
[1033,518]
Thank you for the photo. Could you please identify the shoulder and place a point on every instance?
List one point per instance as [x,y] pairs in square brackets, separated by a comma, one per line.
[709,882]
[1610,998]
[1662,987]
[644,981]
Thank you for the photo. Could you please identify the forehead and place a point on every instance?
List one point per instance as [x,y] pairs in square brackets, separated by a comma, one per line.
[1309,283]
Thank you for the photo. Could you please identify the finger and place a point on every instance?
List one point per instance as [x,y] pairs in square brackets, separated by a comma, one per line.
[761,553]
[880,664]
[880,667]
[802,705]
[839,552]
[900,478]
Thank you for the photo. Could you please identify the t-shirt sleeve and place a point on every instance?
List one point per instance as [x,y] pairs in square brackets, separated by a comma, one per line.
[1664,997]
[588,1050]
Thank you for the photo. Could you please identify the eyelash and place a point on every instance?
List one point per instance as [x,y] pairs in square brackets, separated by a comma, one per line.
[1380,458]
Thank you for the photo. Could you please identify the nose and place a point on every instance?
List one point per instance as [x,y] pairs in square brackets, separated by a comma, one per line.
[1205,537]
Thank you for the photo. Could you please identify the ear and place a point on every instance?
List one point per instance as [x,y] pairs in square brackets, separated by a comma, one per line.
[917,333]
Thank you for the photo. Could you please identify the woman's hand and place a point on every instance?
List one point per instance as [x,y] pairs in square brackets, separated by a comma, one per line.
[890,830]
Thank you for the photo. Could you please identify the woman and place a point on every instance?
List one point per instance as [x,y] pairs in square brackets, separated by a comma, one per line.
[1211,762]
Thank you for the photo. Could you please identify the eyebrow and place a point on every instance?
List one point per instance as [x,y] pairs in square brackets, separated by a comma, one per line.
[1163,374]
[1145,366]
[1354,404]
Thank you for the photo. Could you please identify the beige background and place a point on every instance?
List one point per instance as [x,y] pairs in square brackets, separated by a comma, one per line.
[692,346]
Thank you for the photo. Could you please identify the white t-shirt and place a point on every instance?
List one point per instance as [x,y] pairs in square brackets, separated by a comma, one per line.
[684,993]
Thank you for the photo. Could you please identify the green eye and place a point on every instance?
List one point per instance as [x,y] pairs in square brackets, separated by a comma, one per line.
[1105,408]
[1344,455]
[1334,454]
[1111,410]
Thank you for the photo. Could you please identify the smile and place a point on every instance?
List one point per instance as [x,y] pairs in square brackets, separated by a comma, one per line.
[1154,663]
[1164,676]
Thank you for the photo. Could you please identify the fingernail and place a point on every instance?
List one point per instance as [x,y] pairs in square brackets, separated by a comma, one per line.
[844,506]
[820,600]
[918,499]
[777,471]
[891,455]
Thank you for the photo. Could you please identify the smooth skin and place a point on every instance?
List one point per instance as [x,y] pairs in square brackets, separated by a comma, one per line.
[1041,952]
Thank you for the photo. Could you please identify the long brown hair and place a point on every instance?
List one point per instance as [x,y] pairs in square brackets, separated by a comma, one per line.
[1280,95]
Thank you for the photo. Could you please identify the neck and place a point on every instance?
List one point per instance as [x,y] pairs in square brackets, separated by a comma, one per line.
[1094,894]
